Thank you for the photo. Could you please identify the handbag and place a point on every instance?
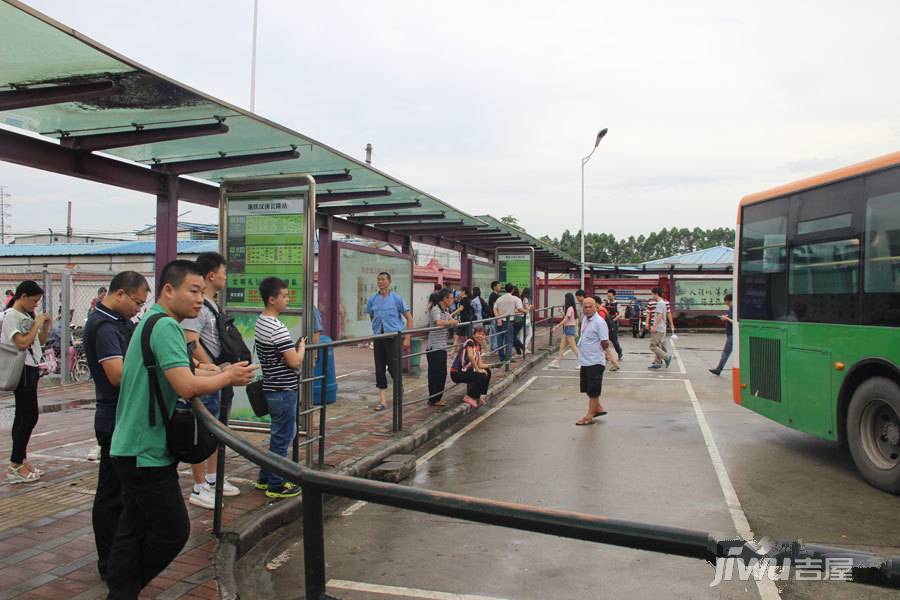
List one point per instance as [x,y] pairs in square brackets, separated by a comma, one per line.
[186,437]
[255,394]
[12,361]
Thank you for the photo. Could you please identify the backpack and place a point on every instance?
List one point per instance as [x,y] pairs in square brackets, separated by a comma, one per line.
[186,437]
[231,343]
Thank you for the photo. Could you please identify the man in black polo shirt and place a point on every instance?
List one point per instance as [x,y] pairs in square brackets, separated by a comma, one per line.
[106,335]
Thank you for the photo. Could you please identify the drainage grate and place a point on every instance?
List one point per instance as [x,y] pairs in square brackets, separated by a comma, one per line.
[765,368]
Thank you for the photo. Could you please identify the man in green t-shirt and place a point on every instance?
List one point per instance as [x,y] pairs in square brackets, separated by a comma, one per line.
[154,525]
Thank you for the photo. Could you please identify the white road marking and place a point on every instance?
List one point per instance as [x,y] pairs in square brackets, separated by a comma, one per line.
[678,357]
[358,586]
[766,587]
[353,508]
[612,379]
[92,441]
[352,373]
[54,457]
[43,433]
[450,440]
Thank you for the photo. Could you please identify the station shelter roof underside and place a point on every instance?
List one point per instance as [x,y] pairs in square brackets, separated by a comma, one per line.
[92,113]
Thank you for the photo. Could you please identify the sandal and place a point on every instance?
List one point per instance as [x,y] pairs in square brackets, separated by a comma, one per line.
[14,475]
[471,402]
[33,468]
[584,421]
[379,407]
[439,403]
[599,413]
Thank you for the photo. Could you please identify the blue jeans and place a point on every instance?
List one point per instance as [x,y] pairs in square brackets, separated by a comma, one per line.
[283,410]
[212,402]
[726,352]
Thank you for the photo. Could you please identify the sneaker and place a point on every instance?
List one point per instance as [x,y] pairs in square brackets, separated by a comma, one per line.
[553,365]
[94,454]
[715,372]
[14,475]
[655,366]
[203,496]
[287,490]
[261,486]
[228,488]
[668,361]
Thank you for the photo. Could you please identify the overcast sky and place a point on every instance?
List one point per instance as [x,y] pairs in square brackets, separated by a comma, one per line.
[490,105]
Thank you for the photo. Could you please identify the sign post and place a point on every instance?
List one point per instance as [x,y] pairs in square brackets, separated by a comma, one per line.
[270,234]
[515,265]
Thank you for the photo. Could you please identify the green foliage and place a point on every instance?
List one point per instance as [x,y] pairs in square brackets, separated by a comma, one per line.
[511,221]
[605,248]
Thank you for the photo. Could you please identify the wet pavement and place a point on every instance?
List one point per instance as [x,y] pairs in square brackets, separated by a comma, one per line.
[649,460]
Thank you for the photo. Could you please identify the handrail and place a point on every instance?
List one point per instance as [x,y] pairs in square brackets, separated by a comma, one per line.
[873,568]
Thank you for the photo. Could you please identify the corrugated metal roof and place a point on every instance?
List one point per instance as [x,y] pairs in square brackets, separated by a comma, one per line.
[717,255]
[103,249]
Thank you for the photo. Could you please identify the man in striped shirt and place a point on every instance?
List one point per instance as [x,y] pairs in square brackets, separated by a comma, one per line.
[279,359]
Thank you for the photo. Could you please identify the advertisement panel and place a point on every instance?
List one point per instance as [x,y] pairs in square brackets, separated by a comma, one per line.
[482,276]
[359,267]
[264,239]
[515,265]
[701,294]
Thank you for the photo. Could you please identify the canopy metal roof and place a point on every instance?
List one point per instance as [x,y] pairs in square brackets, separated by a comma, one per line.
[99,115]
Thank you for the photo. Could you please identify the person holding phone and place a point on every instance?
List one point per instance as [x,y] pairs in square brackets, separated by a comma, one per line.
[279,358]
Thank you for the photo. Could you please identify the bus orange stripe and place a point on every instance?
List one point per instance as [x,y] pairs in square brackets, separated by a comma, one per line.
[736,385]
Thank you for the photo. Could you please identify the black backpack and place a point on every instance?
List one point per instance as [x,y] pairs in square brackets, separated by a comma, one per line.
[232,346]
[186,438]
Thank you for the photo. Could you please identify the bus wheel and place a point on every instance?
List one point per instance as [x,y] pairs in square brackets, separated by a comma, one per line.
[873,432]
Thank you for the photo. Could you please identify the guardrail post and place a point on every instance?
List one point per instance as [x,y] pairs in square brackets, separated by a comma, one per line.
[398,382]
[551,328]
[533,330]
[65,341]
[509,342]
[313,543]
[323,395]
[220,467]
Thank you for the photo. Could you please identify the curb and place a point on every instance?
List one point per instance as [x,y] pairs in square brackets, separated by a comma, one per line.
[250,529]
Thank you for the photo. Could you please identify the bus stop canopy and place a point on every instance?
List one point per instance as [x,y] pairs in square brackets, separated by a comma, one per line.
[95,114]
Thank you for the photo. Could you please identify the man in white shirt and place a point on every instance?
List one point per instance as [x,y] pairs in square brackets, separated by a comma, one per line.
[592,347]
[658,329]
[507,306]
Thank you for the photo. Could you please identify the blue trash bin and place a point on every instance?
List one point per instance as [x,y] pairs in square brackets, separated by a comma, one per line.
[331,378]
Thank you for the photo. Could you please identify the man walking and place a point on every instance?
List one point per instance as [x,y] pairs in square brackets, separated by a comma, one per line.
[203,331]
[508,306]
[154,524]
[612,307]
[387,310]
[106,336]
[729,337]
[592,347]
[658,329]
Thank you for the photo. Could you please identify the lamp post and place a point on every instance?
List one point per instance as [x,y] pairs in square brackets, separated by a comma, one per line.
[584,161]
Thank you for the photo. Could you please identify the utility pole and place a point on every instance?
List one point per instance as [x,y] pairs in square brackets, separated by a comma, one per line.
[69,225]
[4,213]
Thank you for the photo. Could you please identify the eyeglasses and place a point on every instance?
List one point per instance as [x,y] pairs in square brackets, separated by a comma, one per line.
[139,303]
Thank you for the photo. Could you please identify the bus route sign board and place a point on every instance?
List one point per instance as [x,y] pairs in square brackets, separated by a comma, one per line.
[264,239]
[515,265]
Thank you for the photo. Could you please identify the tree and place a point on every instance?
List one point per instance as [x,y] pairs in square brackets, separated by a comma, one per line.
[605,248]
[511,221]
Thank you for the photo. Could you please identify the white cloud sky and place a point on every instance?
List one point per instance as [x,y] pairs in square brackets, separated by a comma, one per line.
[491,105]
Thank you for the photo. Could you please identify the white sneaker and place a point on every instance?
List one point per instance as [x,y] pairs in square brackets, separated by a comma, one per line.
[94,454]
[205,498]
[553,365]
[228,488]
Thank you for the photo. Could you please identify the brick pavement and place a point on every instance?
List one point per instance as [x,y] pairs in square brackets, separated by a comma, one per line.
[46,540]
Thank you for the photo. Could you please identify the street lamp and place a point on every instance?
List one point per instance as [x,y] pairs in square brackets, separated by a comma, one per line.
[584,161]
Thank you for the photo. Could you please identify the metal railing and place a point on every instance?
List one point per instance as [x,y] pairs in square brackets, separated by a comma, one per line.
[867,567]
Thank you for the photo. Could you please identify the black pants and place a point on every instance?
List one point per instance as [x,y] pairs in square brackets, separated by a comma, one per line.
[437,374]
[26,413]
[384,357]
[518,326]
[107,503]
[476,383]
[153,527]
[614,337]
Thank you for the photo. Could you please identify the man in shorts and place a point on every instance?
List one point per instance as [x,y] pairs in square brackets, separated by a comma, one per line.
[592,347]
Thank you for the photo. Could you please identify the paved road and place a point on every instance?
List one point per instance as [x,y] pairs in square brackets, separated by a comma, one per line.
[648,460]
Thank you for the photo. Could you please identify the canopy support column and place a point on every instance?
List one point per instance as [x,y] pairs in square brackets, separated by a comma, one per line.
[166,226]
[328,300]
[465,271]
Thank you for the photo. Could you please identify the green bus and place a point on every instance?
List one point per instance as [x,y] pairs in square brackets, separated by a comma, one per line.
[818,311]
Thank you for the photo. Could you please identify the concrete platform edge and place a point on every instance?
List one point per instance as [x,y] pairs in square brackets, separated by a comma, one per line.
[247,532]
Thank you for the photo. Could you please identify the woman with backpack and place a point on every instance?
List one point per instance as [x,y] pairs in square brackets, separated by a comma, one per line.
[469,368]
[465,314]
[21,335]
